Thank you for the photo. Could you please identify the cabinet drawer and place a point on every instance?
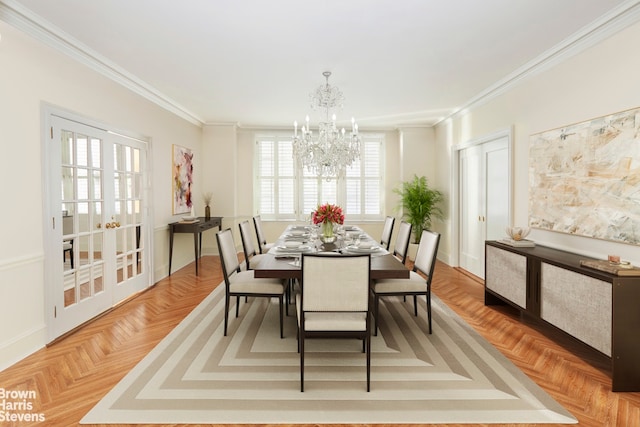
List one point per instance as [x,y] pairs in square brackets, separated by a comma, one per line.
[205,226]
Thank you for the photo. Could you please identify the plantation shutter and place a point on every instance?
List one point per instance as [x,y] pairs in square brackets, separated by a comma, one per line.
[282,192]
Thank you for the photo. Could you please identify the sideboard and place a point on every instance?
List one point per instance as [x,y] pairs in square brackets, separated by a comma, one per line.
[600,309]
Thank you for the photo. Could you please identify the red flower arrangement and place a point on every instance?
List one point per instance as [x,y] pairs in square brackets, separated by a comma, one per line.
[328,213]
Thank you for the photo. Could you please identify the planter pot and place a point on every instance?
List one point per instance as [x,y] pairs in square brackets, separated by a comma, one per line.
[413,250]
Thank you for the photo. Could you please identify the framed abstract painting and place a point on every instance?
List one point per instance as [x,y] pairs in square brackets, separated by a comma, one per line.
[584,178]
[182,179]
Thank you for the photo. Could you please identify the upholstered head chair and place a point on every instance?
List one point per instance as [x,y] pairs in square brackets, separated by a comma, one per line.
[334,301]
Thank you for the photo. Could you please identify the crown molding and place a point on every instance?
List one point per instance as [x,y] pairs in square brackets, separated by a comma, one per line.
[289,129]
[25,20]
[616,20]
[222,124]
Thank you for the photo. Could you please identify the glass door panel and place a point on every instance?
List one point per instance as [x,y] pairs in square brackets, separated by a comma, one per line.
[82,189]
[128,199]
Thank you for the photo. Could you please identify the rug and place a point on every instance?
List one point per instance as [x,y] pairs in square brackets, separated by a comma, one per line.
[196,375]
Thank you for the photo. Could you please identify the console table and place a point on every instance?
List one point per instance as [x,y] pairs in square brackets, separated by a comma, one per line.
[196,228]
[598,308]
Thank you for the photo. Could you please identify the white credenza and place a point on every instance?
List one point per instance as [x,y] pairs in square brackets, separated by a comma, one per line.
[600,309]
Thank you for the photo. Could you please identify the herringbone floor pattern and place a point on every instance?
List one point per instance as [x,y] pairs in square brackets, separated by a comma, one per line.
[73,374]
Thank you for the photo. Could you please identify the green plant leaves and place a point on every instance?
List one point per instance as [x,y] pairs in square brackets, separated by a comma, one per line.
[419,204]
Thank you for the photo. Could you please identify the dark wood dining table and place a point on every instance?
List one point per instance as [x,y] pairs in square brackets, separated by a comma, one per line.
[279,267]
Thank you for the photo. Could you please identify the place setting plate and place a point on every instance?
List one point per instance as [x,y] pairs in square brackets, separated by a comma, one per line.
[293,249]
[362,249]
[298,233]
[299,228]
[293,238]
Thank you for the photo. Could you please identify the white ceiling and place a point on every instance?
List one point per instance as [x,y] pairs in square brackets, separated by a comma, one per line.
[254,62]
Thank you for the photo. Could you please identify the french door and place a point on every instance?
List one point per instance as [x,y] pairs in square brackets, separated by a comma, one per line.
[99,244]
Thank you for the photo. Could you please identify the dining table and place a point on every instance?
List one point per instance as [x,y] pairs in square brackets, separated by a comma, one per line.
[283,259]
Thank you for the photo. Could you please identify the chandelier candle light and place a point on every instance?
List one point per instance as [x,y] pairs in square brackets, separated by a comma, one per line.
[332,151]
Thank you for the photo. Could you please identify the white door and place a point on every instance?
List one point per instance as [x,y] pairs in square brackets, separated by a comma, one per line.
[471,209]
[98,238]
[484,191]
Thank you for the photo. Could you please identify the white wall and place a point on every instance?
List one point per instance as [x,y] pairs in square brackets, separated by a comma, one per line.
[32,74]
[599,81]
[417,155]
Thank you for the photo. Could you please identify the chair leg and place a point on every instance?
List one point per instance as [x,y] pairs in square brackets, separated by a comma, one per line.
[281,300]
[415,305]
[226,313]
[287,293]
[286,307]
[368,364]
[368,340]
[375,309]
[301,346]
[238,305]
[429,309]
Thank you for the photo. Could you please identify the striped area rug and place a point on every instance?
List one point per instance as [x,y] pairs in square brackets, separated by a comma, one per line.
[198,376]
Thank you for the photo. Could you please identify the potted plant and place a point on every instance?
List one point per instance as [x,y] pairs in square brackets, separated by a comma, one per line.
[419,204]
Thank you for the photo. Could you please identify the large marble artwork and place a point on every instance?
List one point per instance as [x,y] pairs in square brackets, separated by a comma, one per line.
[584,179]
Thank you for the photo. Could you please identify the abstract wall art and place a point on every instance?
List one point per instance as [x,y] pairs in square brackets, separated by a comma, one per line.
[584,179]
[182,179]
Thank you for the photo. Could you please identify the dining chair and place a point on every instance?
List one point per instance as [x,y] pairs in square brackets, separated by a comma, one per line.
[416,284]
[240,283]
[387,231]
[401,247]
[334,302]
[251,257]
[263,246]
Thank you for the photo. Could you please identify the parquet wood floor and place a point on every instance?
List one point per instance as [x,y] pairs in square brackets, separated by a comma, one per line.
[70,376]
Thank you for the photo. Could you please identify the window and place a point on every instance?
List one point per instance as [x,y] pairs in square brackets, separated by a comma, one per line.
[283,192]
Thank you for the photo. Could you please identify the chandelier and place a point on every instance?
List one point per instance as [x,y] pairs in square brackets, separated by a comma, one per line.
[331,151]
